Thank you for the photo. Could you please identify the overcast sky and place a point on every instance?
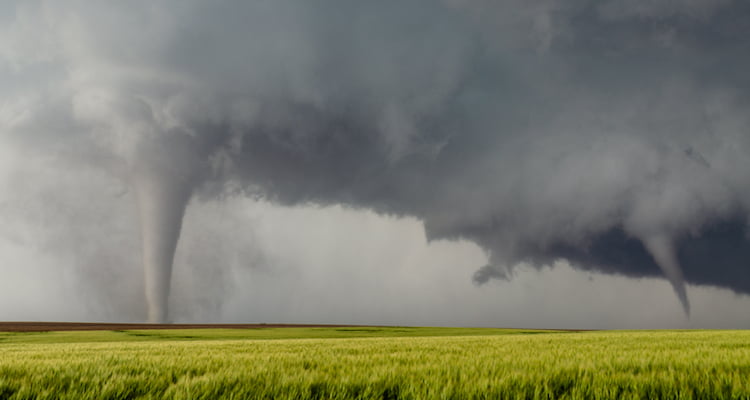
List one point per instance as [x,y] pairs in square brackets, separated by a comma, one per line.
[576,164]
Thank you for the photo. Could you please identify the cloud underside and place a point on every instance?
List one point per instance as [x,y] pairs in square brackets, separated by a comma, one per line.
[611,134]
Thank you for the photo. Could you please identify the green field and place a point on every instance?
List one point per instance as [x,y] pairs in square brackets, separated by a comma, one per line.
[375,363]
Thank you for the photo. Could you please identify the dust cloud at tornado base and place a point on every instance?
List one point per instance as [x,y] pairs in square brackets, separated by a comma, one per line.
[609,134]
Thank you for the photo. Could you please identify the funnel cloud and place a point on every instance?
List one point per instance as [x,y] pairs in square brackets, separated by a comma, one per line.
[611,135]
[162,188]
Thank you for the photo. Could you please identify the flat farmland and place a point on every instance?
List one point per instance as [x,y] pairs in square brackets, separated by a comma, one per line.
[373,363]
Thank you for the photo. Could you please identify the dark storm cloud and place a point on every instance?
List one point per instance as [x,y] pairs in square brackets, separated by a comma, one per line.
[612,134]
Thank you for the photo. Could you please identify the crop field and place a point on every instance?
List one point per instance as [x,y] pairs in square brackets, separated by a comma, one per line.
[374,363]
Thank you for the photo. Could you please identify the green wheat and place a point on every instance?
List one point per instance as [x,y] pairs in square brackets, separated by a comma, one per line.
[382,363]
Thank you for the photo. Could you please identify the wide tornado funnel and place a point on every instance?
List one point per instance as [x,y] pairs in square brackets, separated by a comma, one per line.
[163,183]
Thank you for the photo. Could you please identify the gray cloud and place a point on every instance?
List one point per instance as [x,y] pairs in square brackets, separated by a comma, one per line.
[609,134]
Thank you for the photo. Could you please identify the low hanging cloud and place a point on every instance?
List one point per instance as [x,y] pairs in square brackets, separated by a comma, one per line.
[613,135]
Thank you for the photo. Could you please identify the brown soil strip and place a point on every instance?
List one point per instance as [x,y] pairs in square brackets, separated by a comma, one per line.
[95,326]
[98,326]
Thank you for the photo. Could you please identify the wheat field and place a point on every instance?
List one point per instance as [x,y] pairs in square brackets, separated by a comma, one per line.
[375,363]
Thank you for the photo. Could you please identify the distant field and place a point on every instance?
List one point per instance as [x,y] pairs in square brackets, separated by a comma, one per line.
[374,363]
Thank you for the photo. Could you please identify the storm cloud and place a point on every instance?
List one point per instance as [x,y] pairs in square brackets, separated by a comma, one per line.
[610,134]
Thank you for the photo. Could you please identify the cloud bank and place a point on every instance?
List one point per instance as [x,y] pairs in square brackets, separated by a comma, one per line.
[609,134]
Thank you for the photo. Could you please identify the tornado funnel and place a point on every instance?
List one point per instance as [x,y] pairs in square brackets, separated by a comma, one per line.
[163,183]
[662,250]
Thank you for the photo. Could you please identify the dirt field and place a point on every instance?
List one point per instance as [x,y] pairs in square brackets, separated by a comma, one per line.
[94,326]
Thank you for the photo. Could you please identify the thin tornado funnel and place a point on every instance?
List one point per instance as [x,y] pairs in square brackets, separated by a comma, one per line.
[662,250]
